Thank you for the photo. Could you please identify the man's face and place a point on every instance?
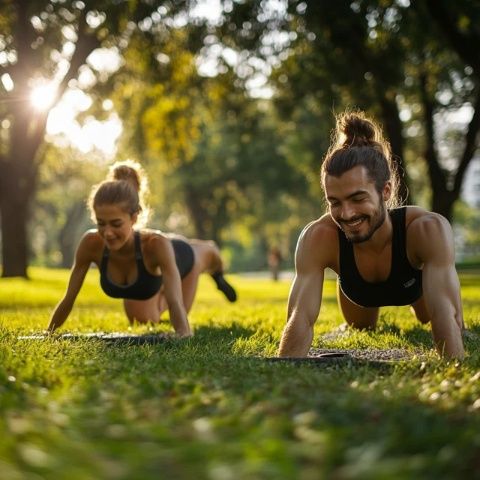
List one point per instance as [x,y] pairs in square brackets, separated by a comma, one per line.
[355,205]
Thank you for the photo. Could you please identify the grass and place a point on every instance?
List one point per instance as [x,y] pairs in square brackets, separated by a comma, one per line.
[209,408]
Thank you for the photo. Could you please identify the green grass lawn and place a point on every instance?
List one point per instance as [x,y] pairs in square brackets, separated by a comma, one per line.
[210,408]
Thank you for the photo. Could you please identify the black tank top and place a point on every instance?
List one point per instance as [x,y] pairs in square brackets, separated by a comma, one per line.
[402,287]
[146,285]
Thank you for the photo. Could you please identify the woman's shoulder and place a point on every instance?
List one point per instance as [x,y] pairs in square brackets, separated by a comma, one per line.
[90,247]
[148,234]
[153,240]
[156,248]
[92,239]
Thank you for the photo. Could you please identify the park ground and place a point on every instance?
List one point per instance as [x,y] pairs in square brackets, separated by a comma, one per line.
[213,407]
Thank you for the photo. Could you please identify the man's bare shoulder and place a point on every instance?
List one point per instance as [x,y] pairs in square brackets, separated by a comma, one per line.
[318,243]
[421,222]
[429,235]
[322,229]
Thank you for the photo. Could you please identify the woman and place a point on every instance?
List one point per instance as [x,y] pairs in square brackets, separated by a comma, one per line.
[151,271]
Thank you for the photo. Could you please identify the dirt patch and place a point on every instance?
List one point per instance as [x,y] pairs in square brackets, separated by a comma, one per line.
[339,358]
[370,354]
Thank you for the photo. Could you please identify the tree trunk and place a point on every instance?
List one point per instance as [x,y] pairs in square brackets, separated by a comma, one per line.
[198,214]
[442,198]
[18,167]
[17,186]
[14,210]
[393,128]
[443,204]
[68,236]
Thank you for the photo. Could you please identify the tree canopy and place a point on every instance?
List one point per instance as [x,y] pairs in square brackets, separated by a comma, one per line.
[51,41]
[232,116]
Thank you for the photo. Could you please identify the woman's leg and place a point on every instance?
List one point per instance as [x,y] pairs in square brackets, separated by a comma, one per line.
[363,318]
[208,260]
[207,256]
[189,287]
[144,311]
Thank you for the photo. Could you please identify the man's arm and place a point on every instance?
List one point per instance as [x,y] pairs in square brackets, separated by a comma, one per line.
[441,287]
[305,298]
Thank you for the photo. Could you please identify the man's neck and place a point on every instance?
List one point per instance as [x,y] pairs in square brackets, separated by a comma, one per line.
[381,239]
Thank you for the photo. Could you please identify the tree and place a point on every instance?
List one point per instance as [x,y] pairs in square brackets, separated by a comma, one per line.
[448,66]
[59,220]
[209,147]
[50,40]
[344,55]
[390,58]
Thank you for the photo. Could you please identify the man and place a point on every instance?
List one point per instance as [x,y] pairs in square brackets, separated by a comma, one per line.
[382,256]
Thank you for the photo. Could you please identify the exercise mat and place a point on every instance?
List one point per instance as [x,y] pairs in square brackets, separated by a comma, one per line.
[116,338]
[353,357]
[328,357]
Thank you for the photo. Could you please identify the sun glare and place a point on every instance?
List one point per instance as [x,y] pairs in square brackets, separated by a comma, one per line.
[43,96]
[64,129]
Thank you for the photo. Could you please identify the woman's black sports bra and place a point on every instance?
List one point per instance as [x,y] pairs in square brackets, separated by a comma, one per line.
[146,285]
[402,287]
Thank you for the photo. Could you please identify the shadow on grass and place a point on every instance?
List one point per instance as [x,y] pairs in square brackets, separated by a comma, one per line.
[203,335]
[332,360]
[473,332]
[209,341]
[351,420]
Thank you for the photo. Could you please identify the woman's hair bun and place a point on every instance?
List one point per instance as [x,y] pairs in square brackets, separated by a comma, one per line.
[128,171]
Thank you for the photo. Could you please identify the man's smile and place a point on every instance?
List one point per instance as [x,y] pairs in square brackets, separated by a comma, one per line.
[353,223]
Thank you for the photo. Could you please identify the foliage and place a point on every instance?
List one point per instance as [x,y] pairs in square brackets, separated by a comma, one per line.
[59,220]
[212,407]
[224,164]
[407,65]
[44,42]
[208,146]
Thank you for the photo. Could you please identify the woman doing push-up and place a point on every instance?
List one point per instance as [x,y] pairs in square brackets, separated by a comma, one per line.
[150,270]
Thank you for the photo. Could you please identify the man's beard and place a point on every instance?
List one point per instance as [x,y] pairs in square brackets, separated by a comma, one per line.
[375,222]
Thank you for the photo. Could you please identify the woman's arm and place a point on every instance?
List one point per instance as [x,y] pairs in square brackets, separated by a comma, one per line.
[172,285]
[83,259]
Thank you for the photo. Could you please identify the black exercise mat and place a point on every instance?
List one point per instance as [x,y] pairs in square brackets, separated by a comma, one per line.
[329,357]
[110,338]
